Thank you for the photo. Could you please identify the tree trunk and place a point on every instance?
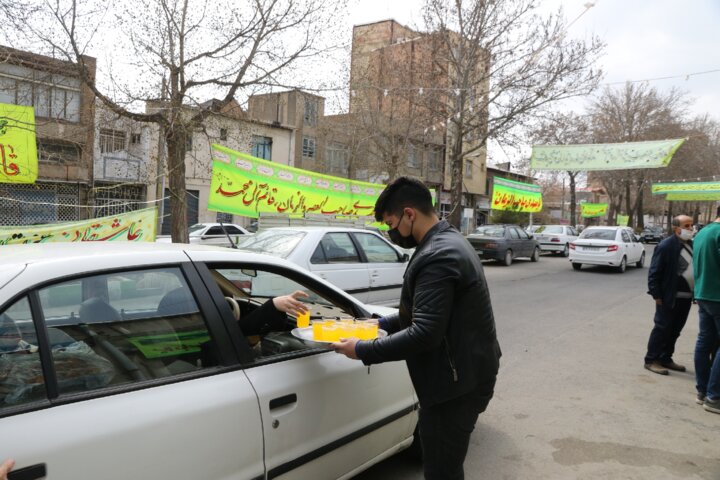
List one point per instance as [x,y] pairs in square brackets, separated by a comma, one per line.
[573,201]
[669,217]
[628,204]
[176,142]
[456,182]
[640,216]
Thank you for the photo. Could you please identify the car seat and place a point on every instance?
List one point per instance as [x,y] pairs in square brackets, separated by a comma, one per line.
[177,302]
[97,310]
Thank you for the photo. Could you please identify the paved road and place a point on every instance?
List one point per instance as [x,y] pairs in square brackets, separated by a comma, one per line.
[573,400]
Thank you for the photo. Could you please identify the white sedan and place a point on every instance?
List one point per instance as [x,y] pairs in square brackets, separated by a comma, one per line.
[135,361]
[555,238]
[361,262]
[211,234]
[610,246]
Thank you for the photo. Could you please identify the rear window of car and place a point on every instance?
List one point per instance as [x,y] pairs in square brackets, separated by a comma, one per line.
[599,234]
[279,243]
[498,232]
[196,227]
[549,229]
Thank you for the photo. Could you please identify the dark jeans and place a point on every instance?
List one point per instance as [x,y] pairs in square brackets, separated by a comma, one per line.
[707,368]
[445,433]
[669,322]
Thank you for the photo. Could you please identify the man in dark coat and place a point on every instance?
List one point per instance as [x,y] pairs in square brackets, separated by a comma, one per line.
[444,330]
[670,282]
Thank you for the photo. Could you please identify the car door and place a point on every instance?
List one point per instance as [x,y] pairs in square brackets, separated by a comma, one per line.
[386,267]
[627,247]
[635,247]
[126,374]
[337,260]
[514,241]
[324,415]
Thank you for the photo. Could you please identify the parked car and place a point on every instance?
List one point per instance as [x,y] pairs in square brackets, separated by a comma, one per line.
[610,246]
[652,234]
[134,348]
[361,262]
[504,243]
[210,234]
[556,238]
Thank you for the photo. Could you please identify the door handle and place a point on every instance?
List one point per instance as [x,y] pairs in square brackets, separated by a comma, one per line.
[276,403]
[33,472]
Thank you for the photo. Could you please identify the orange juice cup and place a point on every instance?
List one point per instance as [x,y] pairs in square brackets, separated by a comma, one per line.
[330,333]
[317,328]
[303,320]
[368,331]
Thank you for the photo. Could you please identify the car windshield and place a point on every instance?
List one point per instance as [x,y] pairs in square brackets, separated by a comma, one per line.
[549,229]
[196,227]
[491,231]
[278,243]
[599,234]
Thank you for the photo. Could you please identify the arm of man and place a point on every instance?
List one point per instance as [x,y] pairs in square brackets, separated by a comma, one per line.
[432,305]
[656,272]
[271,315]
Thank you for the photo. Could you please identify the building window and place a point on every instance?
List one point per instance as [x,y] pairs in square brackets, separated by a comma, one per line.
[310,112]
[223,134]
[468,168]
[308,147]
[224,217]
[52,95]
[435,159]
[188,142]
[111,140]
[337,158]
[414,157]
[135,138]
[261,147]
[58,153]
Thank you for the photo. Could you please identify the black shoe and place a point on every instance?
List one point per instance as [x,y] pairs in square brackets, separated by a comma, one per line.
[712,405]
[674,366]
[700,399]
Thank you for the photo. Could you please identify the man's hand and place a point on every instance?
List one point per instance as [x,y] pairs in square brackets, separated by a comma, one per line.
[658,301]
[5,468]
[290,303]
[346,346]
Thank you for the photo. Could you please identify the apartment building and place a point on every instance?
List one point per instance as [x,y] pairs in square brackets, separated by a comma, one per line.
[65,130]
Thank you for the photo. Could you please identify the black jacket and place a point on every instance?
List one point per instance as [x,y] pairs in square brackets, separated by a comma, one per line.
[663,276]
[445,328]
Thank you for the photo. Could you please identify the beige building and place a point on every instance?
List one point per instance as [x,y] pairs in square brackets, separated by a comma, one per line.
[231,128]
[64,116]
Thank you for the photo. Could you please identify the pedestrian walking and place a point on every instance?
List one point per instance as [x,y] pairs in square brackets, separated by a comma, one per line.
[706,269]
[444,330]
[670,282]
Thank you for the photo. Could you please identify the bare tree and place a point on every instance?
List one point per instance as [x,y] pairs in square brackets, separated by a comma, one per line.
[180,53]
[505,64]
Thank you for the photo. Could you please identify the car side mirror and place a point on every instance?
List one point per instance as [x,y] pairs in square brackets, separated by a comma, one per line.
[405,257]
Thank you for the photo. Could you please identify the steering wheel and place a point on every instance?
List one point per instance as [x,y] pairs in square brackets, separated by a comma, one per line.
[235,307]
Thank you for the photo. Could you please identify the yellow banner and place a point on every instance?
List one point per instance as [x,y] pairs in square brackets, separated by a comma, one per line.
[622,220]
[137,226]
[589,210]
[18,148]
[516,196]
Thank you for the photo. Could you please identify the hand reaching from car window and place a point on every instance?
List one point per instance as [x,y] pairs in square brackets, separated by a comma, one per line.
[5,468]
[290,303]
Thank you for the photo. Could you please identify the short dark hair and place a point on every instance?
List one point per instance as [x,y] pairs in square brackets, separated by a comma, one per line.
[403,192]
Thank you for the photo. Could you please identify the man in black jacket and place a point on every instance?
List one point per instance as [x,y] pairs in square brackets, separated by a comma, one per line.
[444,330]
[670,282]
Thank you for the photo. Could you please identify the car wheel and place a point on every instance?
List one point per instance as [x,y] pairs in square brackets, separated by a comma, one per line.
[623,265]
[508,258]
[536,255]
[577,266]
[641,263]
[566,251]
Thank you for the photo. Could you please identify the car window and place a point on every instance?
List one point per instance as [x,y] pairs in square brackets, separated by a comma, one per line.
[550,229]
[491,231]
[268,331]
[626,236]
[523,234]
[376,249]
[232,230]
[21,375]
[514,233]
[214,231]
[599,234]
[279,243]
[124,327]
[196,227]
[338,248]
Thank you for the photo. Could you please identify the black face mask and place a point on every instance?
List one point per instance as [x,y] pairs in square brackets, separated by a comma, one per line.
[399,240]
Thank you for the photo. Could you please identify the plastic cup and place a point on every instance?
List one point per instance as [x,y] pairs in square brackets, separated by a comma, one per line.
[303,320]
[330,333]
[317,328]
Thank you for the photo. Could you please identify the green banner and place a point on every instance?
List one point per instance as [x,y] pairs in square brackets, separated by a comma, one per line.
[692,197]
[516,196]
[622,220]
[604,156]
[137,226]
[589,210]
[18,148]
[685,187]
[244,185]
